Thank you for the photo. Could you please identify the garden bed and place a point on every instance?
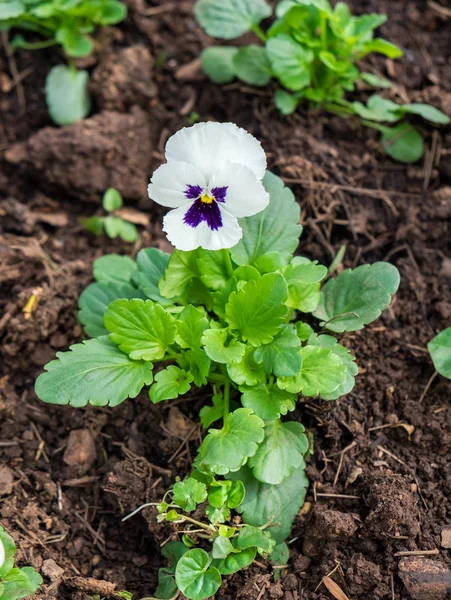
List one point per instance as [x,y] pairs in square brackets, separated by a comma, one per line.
[381,470]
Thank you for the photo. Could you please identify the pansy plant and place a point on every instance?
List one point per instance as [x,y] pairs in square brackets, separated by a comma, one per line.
[15,582]
[230,312]
[312,51]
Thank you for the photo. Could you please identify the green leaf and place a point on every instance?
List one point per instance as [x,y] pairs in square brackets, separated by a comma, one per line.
[195,578]
[275,229]
[34,580]
[113,12]
[365,291]
[95,299]
[378,109]
[440,350]
[181,269]
[174,551]
[290,61]
[112,200]
[217,63]
[322,372]
[257,310]
[270,262]
[94,372]
[218,515]
[196,362]
[375,80]
[303,330]
[210,414]
[213,268]
[117,227]
[382,47]
[279,557]
[252,65]
[9,9]
[141,328]
[75,44]
[227,449]
[93,224]
[253,537]
[303,277]
[222,547]
[281,356]
[167,588]
[169,384]
[247,371]
[113,267]
[228,19]
[189,493]
[220,348]
[152,264]
[430,113]
[267,401]
[265,503]
[66,93]
[328,341]
[16,584]
[191,324]
[236,561]
[285,102]
[403,143]
[7,552]
[281,452]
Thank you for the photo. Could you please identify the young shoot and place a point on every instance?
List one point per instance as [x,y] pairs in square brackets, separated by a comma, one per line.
[233,313]
[113,225]
[312,50]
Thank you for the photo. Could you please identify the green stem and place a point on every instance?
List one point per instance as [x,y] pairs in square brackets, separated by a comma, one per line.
[38,45]
[289,315]
[259,32]
[226,401]
[381,128]
[323,30]
[228,262]
[208,528]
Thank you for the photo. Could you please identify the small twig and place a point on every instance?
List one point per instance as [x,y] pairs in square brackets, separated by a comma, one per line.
[418,553]
[338,496]
[393,456]
[428,385]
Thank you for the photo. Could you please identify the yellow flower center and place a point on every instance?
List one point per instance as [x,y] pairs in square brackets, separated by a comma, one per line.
[206,199]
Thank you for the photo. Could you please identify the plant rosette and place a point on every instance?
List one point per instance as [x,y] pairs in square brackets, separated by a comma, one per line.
[231,311]
[312,50]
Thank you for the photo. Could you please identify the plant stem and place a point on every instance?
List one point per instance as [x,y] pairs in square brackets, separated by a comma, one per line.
[259,32]
[208,528]
[289,315]
[226,401]
[38,45]
[323,30]
[228,262]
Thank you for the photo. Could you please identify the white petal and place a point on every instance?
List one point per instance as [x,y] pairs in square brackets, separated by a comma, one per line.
[245,194]
[170,181]
[185,237]
[208,145]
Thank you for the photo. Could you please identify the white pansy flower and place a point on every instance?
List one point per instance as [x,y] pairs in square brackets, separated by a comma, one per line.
[211,179]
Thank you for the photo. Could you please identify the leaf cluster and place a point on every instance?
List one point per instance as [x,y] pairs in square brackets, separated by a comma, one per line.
[15,582]
[312,51]
[237,322]
[113,225]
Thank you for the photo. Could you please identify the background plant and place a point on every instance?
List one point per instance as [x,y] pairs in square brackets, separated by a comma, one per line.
[67,23]
[440,350]
[312,50]
[235,322]
[15,582]
[113,225]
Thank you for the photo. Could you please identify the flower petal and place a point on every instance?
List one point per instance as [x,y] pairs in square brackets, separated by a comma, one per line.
[185,237]
[208,145]
[245,195]
[172,184]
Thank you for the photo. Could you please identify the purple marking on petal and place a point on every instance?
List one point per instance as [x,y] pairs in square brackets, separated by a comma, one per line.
[219,193]
[201,211]
[193,191]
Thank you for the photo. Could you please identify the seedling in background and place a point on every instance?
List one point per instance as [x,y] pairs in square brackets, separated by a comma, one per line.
[312,51]
[238,322]
[440,350]
[65,23]
[15,582]
[113,225]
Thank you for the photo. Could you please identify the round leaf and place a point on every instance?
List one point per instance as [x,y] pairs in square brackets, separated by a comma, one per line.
[228,19]
[403,143]
[195,578]
[112,200]
[252,65]
[67,94]
[440,351]
[217,63]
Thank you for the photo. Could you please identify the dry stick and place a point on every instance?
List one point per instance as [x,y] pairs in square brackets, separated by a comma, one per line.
[184,441]
[14,71]
[393,456]
[417,553]
[338,496]
[428,385]
[340,464]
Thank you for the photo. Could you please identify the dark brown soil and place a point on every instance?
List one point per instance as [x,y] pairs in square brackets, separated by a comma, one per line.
[381,471]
